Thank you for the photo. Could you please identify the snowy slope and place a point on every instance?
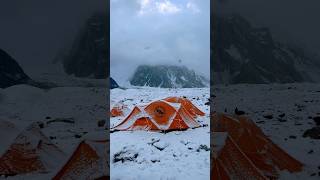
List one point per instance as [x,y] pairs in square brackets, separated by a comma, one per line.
[69,115]
[297,103]
[184,154]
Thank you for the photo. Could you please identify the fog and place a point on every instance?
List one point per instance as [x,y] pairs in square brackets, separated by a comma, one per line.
[34,31]
[170,32]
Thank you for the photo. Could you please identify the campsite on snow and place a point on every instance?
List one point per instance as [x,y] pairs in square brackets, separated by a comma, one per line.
[53,122]
[266,97]
[160,132]
[160,109]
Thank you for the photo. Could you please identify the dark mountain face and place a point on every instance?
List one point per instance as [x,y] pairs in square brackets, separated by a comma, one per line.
[166,76]
[10,71]
[113,83]
[245,54]
[88,55]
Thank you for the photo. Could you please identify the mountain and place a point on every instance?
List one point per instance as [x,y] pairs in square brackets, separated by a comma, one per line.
[246,54]
[88,55]
[10,71]
[113,83]
[167,76]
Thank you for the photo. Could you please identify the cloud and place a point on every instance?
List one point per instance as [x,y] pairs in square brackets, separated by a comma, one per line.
[145,35]
[193,7]
[164,7]
[167,7]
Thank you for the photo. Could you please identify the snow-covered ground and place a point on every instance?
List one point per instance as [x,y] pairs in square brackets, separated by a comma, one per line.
[153,155]
[297,103]
[70,114]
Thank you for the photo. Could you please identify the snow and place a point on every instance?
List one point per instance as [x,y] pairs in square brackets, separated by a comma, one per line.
[81,102]
[153,155]
[297,101]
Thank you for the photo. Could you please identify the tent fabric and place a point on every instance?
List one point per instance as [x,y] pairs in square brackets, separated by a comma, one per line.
[167,114]
[118,110]
[88,161]
[30,151]
[187,104]
[246,151]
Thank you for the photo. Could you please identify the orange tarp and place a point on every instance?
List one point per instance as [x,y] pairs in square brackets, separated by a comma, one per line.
[245,151]
[29,153]
[88,161]
[168,114]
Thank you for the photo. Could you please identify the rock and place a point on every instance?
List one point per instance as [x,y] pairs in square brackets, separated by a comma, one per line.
[63,120]
[89,53]
[125,155]
[282,115]
[101,123]
[77,136]
[10,71]
[203,147]
[238,112]
[282,120]
[313,133]
[41,125]
[260,122]
[160,145]
[155,160]
[167,76]
[113,83]
[317,120]
[248,54]
[268,116]
[293,137]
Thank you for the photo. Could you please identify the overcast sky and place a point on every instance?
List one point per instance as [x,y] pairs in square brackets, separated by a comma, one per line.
[159,32]
[292,20]
[34,31]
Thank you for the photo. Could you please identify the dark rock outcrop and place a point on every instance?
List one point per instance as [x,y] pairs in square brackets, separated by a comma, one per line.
[245,54]
[10,71]
[113,83]
[167,76]
[89,53]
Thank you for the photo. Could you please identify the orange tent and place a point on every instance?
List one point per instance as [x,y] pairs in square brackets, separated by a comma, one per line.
[167,114]
[242,151]
[88,161]
[30,151]
[118,110]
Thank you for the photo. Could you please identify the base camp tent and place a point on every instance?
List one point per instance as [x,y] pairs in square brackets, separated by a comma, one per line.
[242,151]
[119,109]
[168,114]
[26,151]
[88,161]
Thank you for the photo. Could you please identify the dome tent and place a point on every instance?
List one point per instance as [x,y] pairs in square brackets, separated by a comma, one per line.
[119,109]
[242,151]
[163,115]
[26,151]
[88,161]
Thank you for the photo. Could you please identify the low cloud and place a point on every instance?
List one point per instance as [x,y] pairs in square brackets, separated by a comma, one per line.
[159,32]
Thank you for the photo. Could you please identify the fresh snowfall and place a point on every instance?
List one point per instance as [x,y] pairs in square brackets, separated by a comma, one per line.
[142,155]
